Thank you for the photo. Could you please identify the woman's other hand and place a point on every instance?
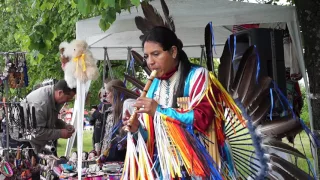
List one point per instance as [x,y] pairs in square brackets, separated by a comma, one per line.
[132,125]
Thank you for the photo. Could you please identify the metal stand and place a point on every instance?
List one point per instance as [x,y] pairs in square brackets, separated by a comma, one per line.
[6,84]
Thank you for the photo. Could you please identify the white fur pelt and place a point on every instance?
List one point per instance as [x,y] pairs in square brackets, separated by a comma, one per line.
[77,51]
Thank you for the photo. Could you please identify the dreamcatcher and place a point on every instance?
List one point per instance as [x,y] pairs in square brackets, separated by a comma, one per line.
[247,135]
[17,70]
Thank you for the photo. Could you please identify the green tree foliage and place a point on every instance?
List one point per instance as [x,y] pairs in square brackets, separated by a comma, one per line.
[38,27]
[304,112]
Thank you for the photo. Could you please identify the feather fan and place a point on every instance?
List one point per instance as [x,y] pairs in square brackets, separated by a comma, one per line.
[283,147]
[208,43]
[126,91]
[288,167]
[283,174]
[225,70]
[258,90]
[140,85]
[279,128]
[241,69]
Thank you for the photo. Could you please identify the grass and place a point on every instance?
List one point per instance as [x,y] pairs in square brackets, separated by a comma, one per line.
[87,143]
[303,146]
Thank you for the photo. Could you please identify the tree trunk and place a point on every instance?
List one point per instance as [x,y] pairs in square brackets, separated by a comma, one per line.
[309,17]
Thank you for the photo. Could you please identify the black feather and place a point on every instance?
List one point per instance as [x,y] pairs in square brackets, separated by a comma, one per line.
[271,177]
[151,14]
[165,8]
[142,24]
[288,167]
[169,20]
[225,70]
[281,172]
[140,85]
[170,23]
[139,59]
[279,128]
[262,88]
[257,103]
[208,44]
[283,147]
[261,112]
[152,19]
[126,91]
[239,74]
[248,78]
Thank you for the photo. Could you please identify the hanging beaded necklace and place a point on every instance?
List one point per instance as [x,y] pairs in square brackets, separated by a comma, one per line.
[167,87]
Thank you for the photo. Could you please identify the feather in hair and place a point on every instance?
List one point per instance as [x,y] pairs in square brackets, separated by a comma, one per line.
[143,24]
[151,14]
[169,20]
[152,19]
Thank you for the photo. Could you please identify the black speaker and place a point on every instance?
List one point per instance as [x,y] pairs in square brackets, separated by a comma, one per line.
[269,44]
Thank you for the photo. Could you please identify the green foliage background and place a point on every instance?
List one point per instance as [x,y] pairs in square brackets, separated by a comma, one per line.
[39,26]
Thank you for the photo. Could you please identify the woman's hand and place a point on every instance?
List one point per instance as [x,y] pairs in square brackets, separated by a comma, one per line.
[131,126]
[146,105]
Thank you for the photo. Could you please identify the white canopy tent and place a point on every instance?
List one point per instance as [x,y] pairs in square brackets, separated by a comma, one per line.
[190,17]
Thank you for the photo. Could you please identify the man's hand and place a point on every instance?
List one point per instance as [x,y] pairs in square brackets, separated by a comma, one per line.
[146,105]
[65,134]
[70,128]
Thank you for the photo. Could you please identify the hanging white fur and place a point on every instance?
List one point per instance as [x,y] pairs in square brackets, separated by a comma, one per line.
[81,64]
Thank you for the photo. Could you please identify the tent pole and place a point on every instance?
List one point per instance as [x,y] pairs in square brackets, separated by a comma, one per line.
[109,64]
[128,59]
[202,55]
[104,66]
[296,39]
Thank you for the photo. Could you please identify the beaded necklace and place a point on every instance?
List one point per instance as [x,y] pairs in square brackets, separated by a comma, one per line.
[167,87]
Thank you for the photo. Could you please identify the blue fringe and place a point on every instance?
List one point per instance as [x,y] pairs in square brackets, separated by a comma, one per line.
[211,164]
[271,99]
[258,65]
[229,160]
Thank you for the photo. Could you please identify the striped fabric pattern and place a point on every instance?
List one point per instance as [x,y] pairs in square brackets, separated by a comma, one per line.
[237,28]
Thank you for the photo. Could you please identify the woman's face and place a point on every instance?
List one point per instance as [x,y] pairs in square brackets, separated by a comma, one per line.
[109,96]
[158,59]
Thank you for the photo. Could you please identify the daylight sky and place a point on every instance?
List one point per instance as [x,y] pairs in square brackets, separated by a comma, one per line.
[282,2]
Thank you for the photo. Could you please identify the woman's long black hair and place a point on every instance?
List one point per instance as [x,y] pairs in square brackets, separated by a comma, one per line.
[167,38]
